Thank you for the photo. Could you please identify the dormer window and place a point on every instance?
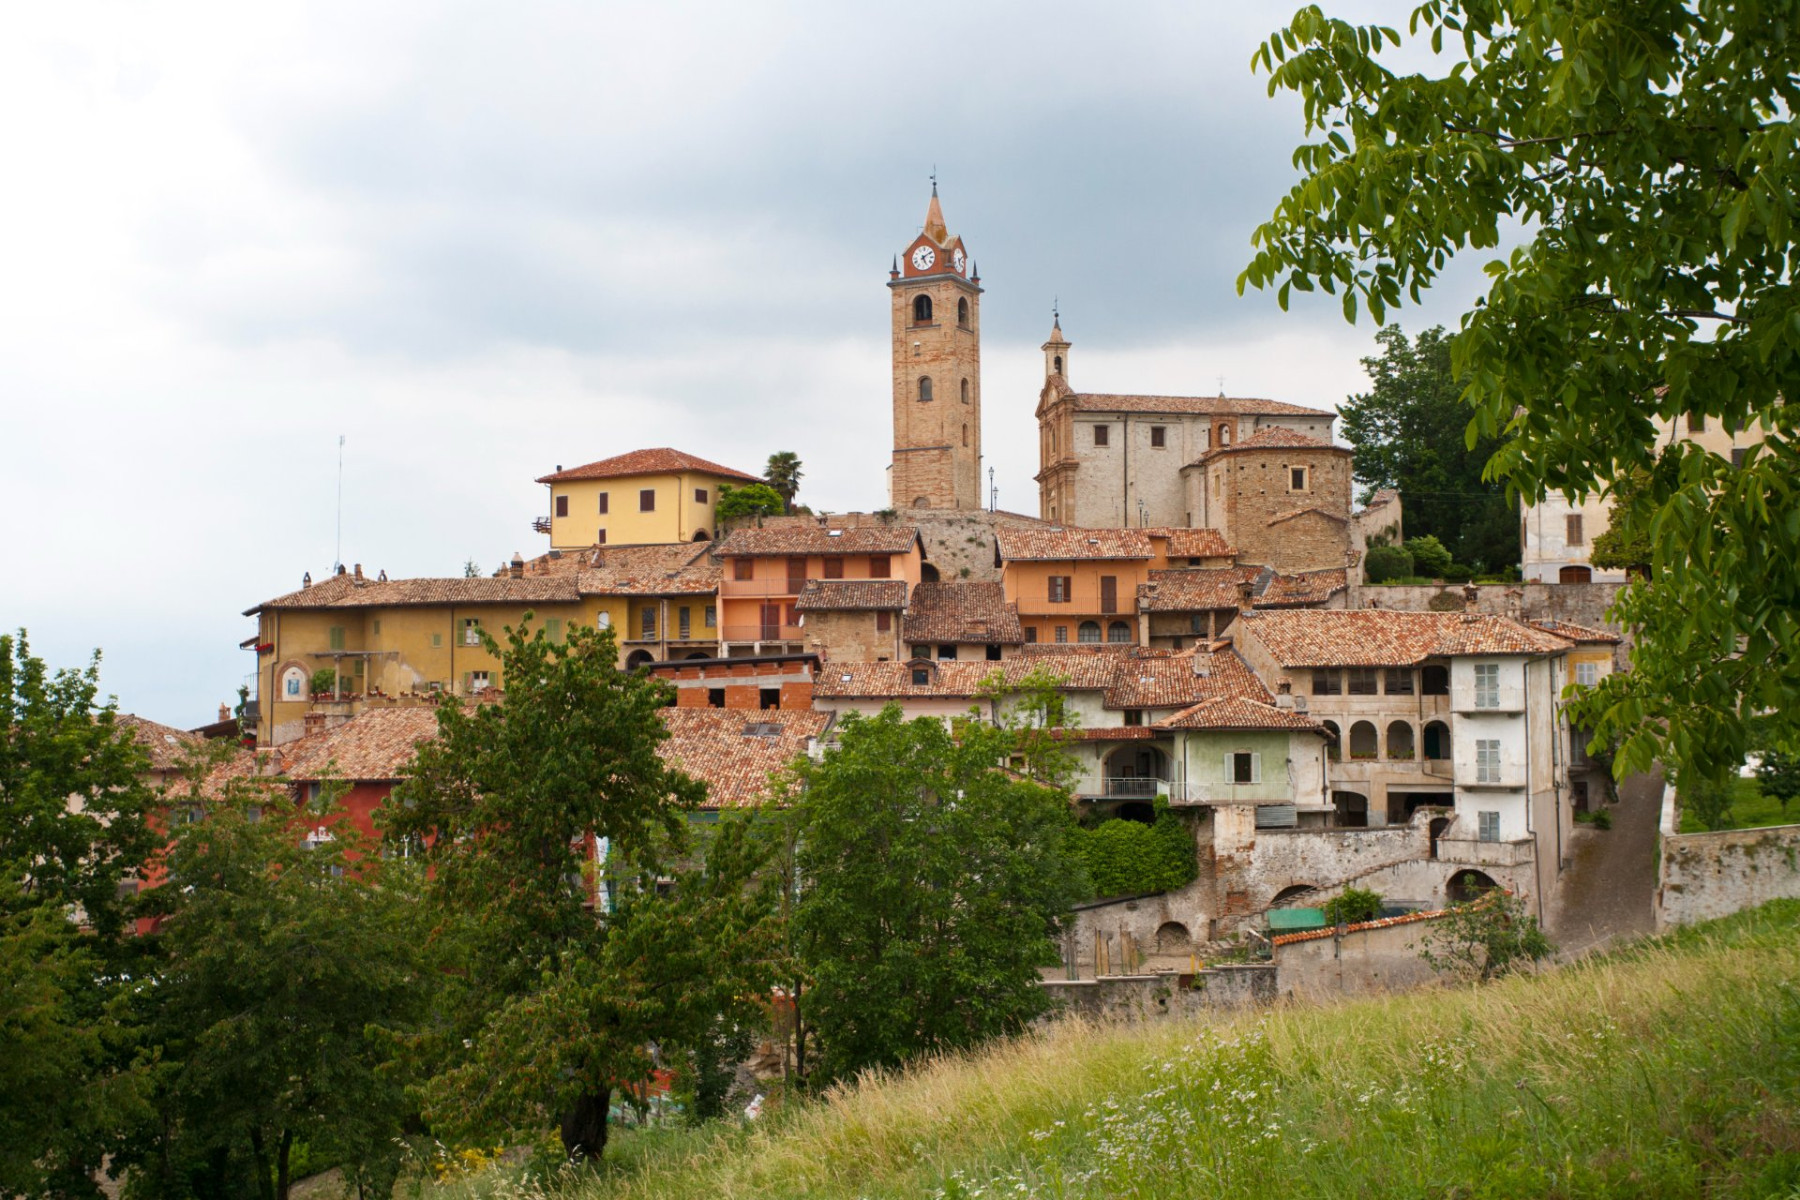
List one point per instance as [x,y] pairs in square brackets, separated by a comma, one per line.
[921,310]
[924,389]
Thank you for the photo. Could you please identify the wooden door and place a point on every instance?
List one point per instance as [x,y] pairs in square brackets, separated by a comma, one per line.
[1109,593]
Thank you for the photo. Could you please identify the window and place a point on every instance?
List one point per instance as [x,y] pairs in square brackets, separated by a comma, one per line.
[1060,588]
[1100,434]
[879,566]
[683,622]
[553,628]
[1587,674]
[1088,631]
[1062,633]
[715,697]
[1296,479]
[965,434]
[962,311]
[1399,682]
[437,640]
[884,620]
[471,631]
[743,568]
[1572,529]
[924,389]
[700,496]
[605,503]
[562,506]
[1243,766]
[1696,422]
[1361,681]
[336,634]
[1487,685]
[1134,716]
[921,310]
[921,676]
[965,391]
[600,537]
[1031,634]
[1738,454]
[1058,364]
[1159,436]
[377,627]
[1488,825]
[478,681]
[834,567]
[1118,632]
[768,697]
[647,500]
[1487,760]
[1327,682]
[947,652]
[647,622]
[712,616]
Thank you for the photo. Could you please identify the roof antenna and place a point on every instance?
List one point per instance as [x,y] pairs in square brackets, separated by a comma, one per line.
[1221,387]
[338,562]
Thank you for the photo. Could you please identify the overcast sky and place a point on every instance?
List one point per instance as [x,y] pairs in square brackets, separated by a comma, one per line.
[480,240]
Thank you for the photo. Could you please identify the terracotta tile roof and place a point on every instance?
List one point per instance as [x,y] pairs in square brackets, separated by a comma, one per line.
[167,746]
[1194,588]
[734,751]
[1274,437]
[1313,935]
[953,680]
[1111,733]
[345,591]
[1223,405]
[681,569]
[1177,681]
[859,595]
[1056,543]
[1315,637]
[1194,543]
[962,612]
[809,538]
[1302,589]
[1574,632]
[1236,712]
[660,461]
[374,745]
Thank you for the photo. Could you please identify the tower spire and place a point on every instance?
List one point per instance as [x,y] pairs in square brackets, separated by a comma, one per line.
[935,229]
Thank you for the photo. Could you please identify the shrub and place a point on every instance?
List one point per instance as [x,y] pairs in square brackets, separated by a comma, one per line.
[1129,858]
[1602,819]
[1456,573]
[1429,556]
[324,680]
[1383,563]
[1352,905]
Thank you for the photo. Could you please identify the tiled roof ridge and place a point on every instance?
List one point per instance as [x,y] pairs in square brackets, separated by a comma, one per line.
[1313,935]
[828,595]
[654,460]
[1245,405]
[1274,437]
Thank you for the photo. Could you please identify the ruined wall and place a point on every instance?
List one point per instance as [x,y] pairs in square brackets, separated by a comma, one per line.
[1140,997]
[1378,957]
[1286,858]
[1702,876]
[853,636]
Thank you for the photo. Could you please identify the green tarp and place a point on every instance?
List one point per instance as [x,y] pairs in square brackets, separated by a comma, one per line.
[1295,920]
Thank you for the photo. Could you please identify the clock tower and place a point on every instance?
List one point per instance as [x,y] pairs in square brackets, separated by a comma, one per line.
[936,304]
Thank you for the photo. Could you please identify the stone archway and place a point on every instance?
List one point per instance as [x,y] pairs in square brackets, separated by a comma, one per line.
[1465,885]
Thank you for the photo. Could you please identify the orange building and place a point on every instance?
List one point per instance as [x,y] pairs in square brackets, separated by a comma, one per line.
[1081,585]
[767,567]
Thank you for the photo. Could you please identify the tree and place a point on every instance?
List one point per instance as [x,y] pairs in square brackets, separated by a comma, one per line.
[1625,543]
[1429,556]
[1778,774]
[1484,938]
[557,1001]
[751,500]
[1351,905]
[1382,563]
[1647,155]
[935,883]
[288,945]
[1408,434]
[783,474]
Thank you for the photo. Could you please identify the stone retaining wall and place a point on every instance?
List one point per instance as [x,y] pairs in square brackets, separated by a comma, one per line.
[1701,876]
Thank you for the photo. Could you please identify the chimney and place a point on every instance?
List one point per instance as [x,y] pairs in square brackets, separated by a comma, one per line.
[306,581]
[358,573]
[1246,595]
[517,570]
[340,568]
[224,712]
[1471,594]
[1284,695]
[382,578]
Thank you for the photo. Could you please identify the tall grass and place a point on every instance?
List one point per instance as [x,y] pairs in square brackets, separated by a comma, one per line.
[1671,1068]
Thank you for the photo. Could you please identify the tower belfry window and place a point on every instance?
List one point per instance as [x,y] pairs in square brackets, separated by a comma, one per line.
[962,312]
[1058,361]
[921,310]
[924,388]
[965,391]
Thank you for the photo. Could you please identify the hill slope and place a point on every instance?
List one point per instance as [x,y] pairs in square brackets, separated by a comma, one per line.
[1671,1068]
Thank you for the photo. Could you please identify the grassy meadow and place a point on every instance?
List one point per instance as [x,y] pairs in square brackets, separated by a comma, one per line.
[1667,1068]
[1750,809]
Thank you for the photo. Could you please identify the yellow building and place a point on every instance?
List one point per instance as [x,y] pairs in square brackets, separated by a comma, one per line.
[636,499]
[404,641]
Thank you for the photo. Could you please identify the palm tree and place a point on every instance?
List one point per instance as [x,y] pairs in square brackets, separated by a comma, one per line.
[783,474]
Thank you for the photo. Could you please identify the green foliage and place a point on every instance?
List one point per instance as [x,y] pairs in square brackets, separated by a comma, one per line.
[287,946]
[1625,545]
[1485,938]
[553,1006]
[324,681]
[1383,564]
[1778,774]
[1351,905]
[751,500]
[471,569]
[1408,434]
[783,475]
[1708,799]
[1648,153]
[1129,858]
[935,882]
[1429,556]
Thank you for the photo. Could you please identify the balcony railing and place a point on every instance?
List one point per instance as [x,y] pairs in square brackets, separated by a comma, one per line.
[761,587]
[1133,787]
[762,633]
[540,524]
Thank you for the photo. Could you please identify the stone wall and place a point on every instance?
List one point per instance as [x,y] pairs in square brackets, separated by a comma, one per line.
[1140,997]
[1379,956]
[1256,492]
[853,635]
[1702,876]
[1580,603]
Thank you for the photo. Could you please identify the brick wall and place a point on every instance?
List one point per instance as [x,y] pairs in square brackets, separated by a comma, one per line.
[1255,489]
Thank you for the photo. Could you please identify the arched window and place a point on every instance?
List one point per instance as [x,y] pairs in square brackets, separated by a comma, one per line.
[965,434]
[1058,362]
[1089,632]
[1118,631]
[921,310]
[924,388]
[1400,740]
[1437,740]
[962,312]
[1224,438]
[1332,746]
[965,391]
[1363,740]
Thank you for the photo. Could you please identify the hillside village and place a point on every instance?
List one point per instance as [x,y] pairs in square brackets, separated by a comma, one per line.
[1192,578]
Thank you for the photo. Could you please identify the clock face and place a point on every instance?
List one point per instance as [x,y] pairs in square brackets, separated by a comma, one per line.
[923,257]
[960,260]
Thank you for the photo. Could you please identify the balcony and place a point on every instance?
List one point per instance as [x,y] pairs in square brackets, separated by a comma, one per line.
[1486,854]
[540,524]
[761,587]
[761,633]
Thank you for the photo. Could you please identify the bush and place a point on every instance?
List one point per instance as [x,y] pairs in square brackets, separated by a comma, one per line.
[1352,905]
[1456,573]
[1602,819]
[1429,556]
[1383,563]
[1129,858]
[324,681]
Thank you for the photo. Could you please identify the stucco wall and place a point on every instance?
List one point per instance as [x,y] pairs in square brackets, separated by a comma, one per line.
[1702,876]
[1359,961]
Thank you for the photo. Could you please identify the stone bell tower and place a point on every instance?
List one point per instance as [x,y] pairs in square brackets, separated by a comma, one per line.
[936,303]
